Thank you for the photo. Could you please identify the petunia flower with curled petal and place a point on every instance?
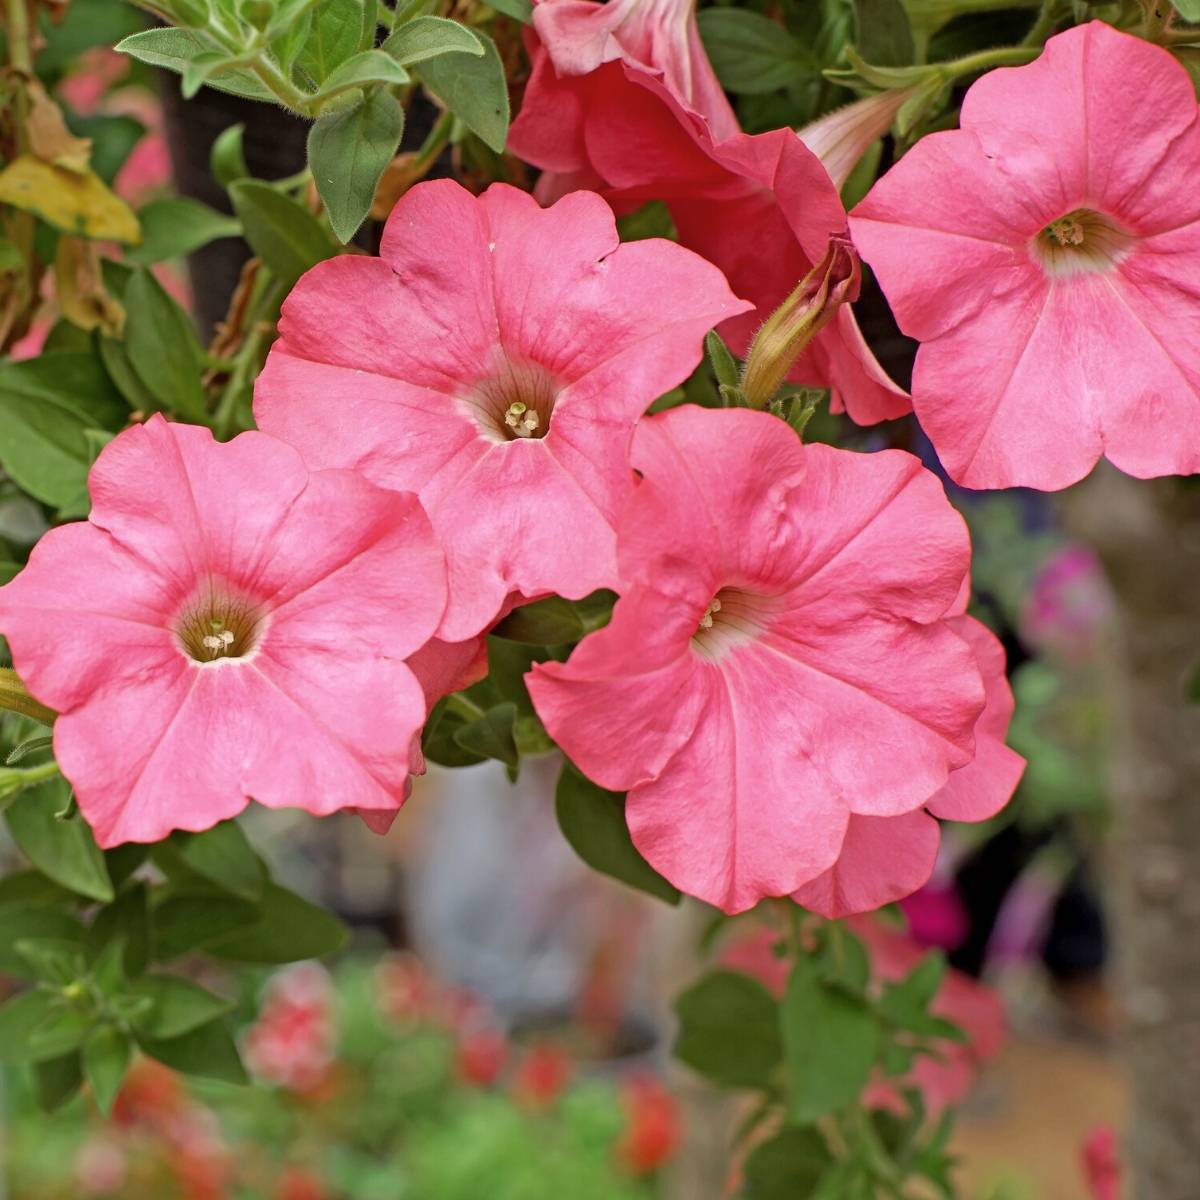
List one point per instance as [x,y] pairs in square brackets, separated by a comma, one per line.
[575,38]
[884,859]
[494,360]
[227,627]
[1046,254]
[780,656]
[762,208]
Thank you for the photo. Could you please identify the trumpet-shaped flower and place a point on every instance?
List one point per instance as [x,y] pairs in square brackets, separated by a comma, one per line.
[884,859]
[762,208]
[574,38]
[779,659]
[494,360]
[1045,254]
[224,627]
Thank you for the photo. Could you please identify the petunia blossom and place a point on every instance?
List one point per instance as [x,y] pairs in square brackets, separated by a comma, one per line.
[761,207]
[226,626]
[885,859]
[779,658]
[574,38]
[494,360]
[1045,254]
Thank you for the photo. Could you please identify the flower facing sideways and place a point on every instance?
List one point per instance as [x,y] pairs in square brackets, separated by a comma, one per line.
[762,208]
[780,657]
[1046,255]
[224,627]
[494,360]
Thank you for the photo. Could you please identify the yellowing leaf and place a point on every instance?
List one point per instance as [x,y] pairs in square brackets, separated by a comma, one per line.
[79,288]
[50,139]
[77,203]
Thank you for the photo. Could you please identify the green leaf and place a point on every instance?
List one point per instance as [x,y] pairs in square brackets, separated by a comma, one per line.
[364,69]
[53,960]
[175,48]
[830,1040]
[183,923]
[426,37]
[227,160]
[208,1051]
[19,1017]
[106,1055]
[906,1004]
[162,347]
[288,928]
[200,68]
[348,151]
[724,365]
[18,922]
[333,38]
[438,743]
[224,856]
[176,1006]
[126,380]
[519,10]
[32,887]
[788,1166]
[284,234]
[55,1082]
[491,736]
[126,921]
[62,1031]
[750,53]
[1189,10]
[473,89]
[883,35]
[26,748]
[555,621]
[47,405]
[729,1030]
[593,822]
[64,850]
[176,226]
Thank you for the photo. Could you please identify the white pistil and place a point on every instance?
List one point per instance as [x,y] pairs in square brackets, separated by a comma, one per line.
[1066,231]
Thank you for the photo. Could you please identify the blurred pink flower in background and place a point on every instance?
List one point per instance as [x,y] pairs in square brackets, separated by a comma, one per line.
[1068,605]
[293,1041]
[1102,1163]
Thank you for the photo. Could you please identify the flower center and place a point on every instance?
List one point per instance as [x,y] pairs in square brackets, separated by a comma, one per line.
[215,626]
[515,403]
[1081,241]
[732,617]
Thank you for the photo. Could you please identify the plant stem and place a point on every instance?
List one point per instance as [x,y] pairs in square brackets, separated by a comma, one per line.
[984,60]
[1046,19]
[245,362]
[15,698]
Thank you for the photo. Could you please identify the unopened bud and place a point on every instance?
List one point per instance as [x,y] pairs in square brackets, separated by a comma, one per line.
[793,325]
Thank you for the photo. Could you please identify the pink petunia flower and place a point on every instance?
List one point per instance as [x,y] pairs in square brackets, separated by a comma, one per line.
[1068,605]
[884,859]
[494,360]
[574,38]
[779,658]
[293,1041]
[1101,1158]
[227,627]
[762,208]
[1045,255]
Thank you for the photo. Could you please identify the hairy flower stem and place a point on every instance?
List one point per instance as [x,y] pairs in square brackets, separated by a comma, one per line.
[15,698]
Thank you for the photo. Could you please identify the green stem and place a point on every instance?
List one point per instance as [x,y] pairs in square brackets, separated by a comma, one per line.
[458,703]
[15,698]
[435,142]
[984,60]
[245,362]
[283,89]
[1046,19]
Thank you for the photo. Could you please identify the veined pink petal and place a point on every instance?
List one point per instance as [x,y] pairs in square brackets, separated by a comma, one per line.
[882,860]
[541,309]
[1041,254]
[778,659]
[840,138]
[203,653]
[986,784]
